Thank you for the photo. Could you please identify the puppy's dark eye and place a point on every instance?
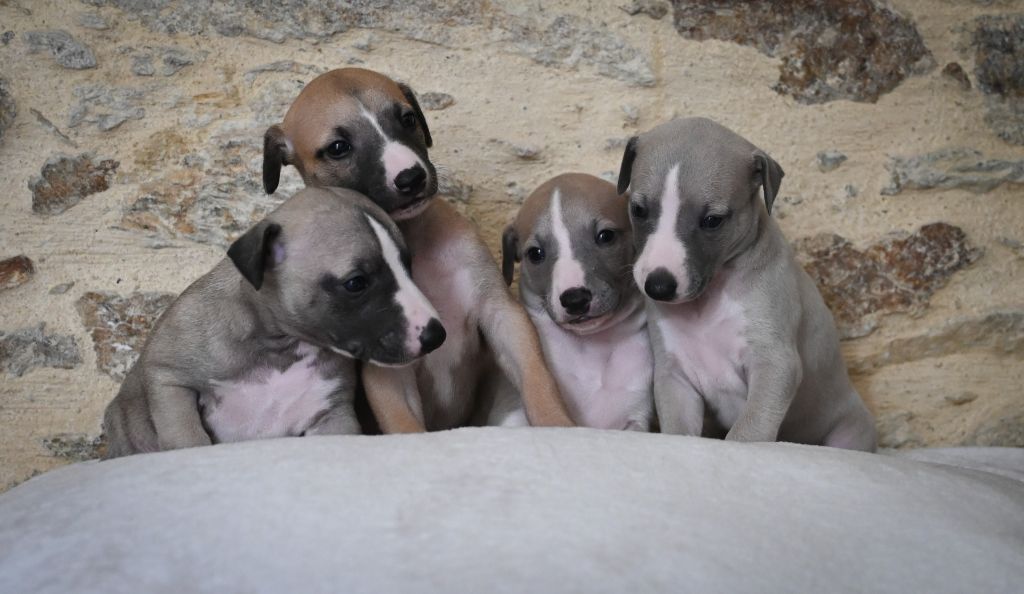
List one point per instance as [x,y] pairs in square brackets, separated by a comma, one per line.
[535,255]
[638,211]
[356,284]
[338,149]
[606,236]
[409,121]
[712,222]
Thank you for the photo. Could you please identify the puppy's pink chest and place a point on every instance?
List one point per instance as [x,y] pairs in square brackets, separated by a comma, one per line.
[707,346]
[269,402]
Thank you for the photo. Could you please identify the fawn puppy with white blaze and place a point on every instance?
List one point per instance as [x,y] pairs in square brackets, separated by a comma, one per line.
[359,129]
[264,344]
[573,238]
[736,324]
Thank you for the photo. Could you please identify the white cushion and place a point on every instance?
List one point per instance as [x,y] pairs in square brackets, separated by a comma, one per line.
[515,510]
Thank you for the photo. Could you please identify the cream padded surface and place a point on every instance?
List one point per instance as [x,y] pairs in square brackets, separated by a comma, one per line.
[518,510]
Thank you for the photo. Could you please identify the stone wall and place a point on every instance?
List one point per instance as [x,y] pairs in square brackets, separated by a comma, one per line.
[130,138]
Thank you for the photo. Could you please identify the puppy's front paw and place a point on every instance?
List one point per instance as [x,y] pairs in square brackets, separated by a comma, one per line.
[635,425]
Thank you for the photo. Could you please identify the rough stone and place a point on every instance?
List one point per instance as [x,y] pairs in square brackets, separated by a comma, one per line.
[526,152]
[171,60]
[615,144]
[1014,245]
[119,326]
[213,197]
[66,50]
[74,447]
[656,9]
[289,66]
[897,274]
[832,49]
[8,107]
[15,272]
[50,127]
[895,431]
[955,72]
[27,348]
[1000,333]
[6,37]
[564,41]
[1001,431]
[997,45]
[451,187]
[631,114]
[142,65]
[61,288]
[65,181]
[961,399]
[106,107]
[92,20]
[568,41]
[830,160]
[364,43]
[959,168]
[435,101]
[272,100]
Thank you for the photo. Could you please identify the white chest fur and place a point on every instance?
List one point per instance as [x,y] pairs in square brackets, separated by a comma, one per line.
[704,342]
[269,402]
[605,378]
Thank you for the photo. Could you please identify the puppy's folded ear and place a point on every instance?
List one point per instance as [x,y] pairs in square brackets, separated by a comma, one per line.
[509,253]
[277,151]
[626,169]
[411,98]
[253,252]
[770,174]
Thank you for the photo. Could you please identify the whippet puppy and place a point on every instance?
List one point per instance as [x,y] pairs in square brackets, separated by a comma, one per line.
[736,324]
[574,240]
[263,345]
[359,129]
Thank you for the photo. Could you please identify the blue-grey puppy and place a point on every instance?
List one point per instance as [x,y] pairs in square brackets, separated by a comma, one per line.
[263,345]
[573,238]
[736,324]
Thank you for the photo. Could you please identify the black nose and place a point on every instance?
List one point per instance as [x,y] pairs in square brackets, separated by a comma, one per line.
[411,180]
[432,336]
[576,300]
[660,285]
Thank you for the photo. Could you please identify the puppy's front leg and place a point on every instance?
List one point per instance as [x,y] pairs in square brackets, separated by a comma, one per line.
[680,407]
[772,382]
[510,334]
[391,392]
[642,414]
[176,418]
[340,419]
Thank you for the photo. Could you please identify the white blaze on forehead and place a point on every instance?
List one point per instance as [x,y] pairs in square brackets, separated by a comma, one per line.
[663,249]
[395,156]
[417,310]
[567,272]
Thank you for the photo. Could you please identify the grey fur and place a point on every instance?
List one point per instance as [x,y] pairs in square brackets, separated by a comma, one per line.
[230,327]
[743,274]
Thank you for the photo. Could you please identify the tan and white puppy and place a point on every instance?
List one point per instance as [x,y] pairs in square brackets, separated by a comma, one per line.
[263,345]
[574,240]
[359,129]
[737,326]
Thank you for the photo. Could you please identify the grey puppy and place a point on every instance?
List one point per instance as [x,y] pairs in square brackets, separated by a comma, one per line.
[572,235]
[736,324]
[263,345]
